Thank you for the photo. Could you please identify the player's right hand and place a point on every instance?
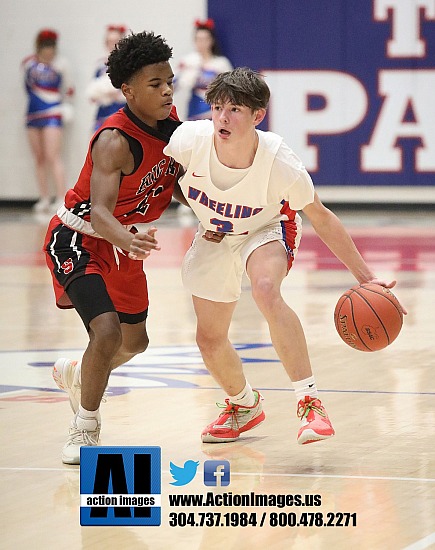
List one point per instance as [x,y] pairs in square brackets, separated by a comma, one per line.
[391,284]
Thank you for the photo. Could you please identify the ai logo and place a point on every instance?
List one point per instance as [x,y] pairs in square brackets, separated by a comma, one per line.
[120,486]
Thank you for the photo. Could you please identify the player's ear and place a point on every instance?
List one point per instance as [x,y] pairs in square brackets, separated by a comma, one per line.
[127,90]
[259,116]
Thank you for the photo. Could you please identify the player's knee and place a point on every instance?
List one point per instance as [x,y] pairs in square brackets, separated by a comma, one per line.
[136,345]
[209,342]
[265,292]
[106,339]
[142,345]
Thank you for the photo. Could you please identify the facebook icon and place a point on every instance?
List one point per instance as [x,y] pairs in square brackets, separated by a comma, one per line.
[216,473]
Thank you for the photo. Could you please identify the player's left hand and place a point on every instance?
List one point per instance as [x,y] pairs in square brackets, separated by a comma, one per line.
[142,244]
[213,236]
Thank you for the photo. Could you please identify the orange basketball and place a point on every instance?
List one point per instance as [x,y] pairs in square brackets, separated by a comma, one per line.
[368,317]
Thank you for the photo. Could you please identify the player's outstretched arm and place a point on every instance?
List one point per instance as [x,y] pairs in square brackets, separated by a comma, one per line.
[333,233]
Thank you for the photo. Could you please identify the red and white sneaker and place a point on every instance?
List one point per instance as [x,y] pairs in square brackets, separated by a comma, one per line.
[66,374]
[234,420]
[315,424]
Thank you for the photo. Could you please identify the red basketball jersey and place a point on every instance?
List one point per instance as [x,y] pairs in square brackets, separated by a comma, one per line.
[146,192]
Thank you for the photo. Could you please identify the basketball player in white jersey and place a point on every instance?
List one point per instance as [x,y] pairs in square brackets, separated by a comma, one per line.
[246,187]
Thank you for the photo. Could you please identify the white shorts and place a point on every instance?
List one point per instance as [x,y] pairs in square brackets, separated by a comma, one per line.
[213,271]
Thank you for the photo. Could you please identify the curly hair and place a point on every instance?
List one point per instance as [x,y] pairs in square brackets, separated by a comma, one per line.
[241,86]
[134,52]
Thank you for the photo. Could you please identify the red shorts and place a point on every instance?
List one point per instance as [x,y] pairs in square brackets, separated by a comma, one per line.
[70,254]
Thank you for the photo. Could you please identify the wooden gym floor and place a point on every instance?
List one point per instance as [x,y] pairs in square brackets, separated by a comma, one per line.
[380,467]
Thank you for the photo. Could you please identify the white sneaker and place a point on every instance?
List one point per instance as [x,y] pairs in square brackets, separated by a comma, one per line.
[66,374]
[78,438]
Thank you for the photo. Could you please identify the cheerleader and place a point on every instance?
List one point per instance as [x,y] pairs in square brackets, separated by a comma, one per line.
[48,85]
[100,90]
[199,68]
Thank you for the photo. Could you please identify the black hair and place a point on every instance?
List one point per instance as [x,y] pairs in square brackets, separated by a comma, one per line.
[134,52]
[241,86]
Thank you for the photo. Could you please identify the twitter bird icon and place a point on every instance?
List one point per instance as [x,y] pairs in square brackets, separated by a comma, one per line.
[183,475]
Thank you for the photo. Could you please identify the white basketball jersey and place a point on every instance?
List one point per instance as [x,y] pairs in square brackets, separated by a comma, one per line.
[244,206]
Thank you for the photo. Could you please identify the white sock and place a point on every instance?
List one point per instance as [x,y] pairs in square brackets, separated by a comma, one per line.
[245,398]
[305,387]
[87,420]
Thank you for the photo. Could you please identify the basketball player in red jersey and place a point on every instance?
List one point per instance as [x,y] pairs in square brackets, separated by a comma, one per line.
[125,179]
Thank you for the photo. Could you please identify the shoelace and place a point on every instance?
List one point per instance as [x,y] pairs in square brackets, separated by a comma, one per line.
[83,437]
[233,410]
[313,405]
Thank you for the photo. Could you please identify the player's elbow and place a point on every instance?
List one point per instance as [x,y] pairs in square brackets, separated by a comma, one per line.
[319,215]
[98,218]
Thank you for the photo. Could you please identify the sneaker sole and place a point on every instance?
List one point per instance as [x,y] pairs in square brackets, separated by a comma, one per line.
[74,461]
[310,436]
[70,461]
[209,438]
[57,377]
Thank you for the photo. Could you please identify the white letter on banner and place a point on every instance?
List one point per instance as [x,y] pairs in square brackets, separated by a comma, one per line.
[345,107]
[406,26]
[401,90]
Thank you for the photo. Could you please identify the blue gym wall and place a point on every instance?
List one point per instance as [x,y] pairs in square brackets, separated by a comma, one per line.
[342,38]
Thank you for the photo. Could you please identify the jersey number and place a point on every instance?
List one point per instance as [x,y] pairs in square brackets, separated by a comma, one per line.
[222,226]
[143,206]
